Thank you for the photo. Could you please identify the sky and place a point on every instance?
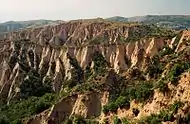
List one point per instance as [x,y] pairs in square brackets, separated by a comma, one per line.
[19,10]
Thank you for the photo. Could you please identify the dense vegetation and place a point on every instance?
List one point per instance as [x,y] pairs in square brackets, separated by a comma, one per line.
[148,31]
[100,63]
[140,93]
[177,70]
[33,85]
[17,110]
[77,73]
[170,21]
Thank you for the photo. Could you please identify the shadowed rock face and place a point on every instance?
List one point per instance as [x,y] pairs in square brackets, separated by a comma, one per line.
[51,50]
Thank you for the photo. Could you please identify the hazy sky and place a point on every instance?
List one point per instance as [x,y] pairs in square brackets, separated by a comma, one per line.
[75,9]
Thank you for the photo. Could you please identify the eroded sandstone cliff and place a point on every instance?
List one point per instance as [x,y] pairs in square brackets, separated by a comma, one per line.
[57,54]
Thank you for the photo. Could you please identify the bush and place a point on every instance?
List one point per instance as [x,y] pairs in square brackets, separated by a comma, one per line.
[32,85]
[13,60]
[105,109]
[120,102]
[158,118]
[135,72]
[155,67]
[162,86]
[112,107]
[164,115]
[3,119]
[16,111]
[99,63]
[125,121]
[77,72]
[79,120]
[152,119]
[141,92]
[97,40]
[18,121]
[88,72]
[175,106]
[152,70]
[166,51]
[116,120]
[146,31]
[177,70]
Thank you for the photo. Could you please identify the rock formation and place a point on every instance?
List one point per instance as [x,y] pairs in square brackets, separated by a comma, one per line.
[56,52]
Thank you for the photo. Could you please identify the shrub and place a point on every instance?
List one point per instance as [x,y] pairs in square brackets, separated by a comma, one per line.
[164,115]
[32,85]
[97,40]
[135,72]
[176,71]
[77,73]
[152,70]
[105,109]
[146,31]
[16,111]
[122,39]
[142,92]
[18,121]
[125,121]
[3,119]
[158,118]
[152,119]
[112,107]
[166,51]
[79,120]
[88,72]
[116,120]
[99,63]
[175,106]
[162,86]
[12,61]
[120,102]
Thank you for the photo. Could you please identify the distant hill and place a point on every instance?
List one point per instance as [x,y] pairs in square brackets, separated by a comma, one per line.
[15,25]
[171,21]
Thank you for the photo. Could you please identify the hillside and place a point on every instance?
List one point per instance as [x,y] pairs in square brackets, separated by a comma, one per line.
[95,72]
[170,21]
[15,25]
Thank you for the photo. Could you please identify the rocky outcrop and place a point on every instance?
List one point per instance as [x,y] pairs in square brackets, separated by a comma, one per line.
[46,50]
[54,51]
[184,41]
[86,105]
